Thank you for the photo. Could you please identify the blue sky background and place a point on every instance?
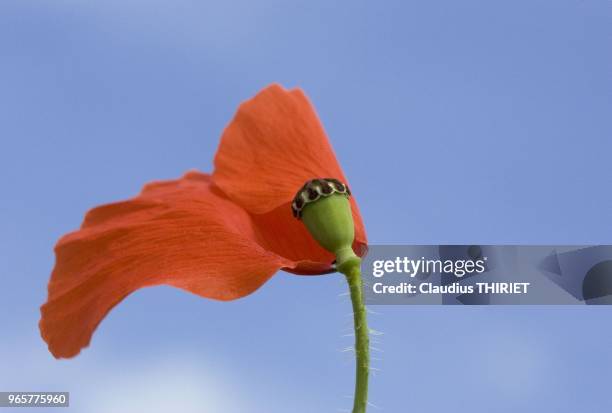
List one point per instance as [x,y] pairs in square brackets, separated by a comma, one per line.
[457,122]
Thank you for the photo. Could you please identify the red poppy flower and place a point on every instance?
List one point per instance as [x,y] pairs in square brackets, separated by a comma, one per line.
[220,236]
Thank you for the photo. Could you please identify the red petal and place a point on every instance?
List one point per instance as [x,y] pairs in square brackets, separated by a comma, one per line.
[274,144]
[179,233]
[284,235]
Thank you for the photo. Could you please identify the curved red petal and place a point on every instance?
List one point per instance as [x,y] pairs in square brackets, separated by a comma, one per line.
[274,144]
[284,235]
[179,233]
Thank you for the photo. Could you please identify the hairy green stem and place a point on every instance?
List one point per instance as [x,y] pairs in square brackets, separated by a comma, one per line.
[330,222]
[362,339]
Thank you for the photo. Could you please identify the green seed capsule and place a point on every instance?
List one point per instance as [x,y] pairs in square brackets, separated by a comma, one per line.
[324,207]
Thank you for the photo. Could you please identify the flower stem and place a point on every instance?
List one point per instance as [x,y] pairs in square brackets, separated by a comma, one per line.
[362,339]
